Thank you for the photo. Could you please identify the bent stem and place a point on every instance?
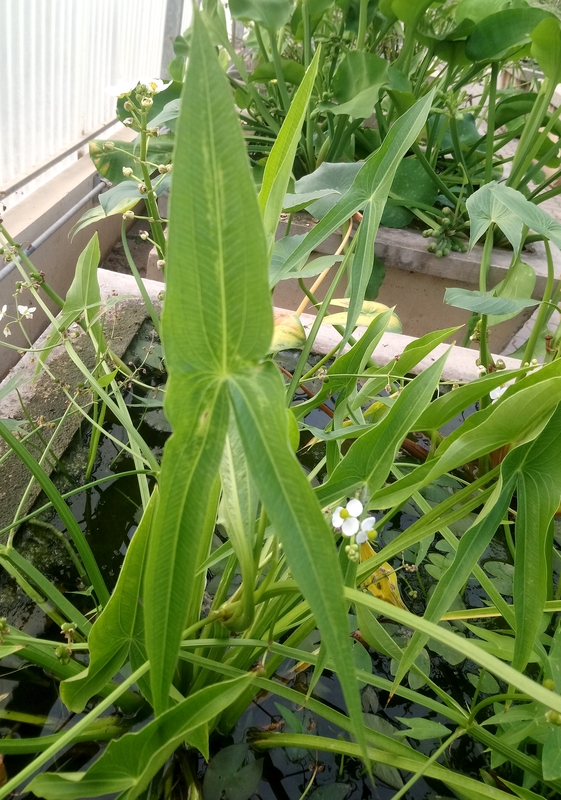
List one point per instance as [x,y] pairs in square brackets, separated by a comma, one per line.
[304,304]
[543,309]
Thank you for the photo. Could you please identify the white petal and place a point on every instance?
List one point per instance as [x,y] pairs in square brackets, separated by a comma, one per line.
[350,526]
[361,537]
[4,309]
[354,507]
[22,309]
[368,524]
[336,519]
[495,393]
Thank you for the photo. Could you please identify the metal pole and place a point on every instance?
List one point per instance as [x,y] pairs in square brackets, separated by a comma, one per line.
[172,28]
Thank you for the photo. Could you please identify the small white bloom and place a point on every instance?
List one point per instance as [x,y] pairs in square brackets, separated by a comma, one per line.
[3,312]
[495,393]
[155,85]
[26,311]
[366,526]
[7,332]
[122,88]
[346,518]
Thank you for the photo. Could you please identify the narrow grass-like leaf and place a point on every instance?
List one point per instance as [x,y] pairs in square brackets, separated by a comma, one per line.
[62,510]
[278,168]
[258,401]
[128,764]
[370,187]
[113,633]
[369,461]
[198,411]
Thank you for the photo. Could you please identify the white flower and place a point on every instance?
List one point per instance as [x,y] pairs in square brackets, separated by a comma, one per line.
[346,518]
[26,311]
[154,85]
[121,89]
[7,332]
[366,526]
[3,312]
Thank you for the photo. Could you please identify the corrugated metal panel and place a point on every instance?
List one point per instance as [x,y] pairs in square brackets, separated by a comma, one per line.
[56,58]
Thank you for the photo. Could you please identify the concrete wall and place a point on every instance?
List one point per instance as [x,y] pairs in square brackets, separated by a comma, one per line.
[58,255]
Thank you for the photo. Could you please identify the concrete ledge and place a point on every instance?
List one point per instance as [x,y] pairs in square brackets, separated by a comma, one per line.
[404,248]
[45,400]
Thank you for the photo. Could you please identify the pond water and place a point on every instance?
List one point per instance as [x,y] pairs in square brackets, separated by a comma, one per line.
[109,514]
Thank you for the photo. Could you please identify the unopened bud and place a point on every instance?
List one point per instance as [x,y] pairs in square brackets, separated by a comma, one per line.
[553,717]
[146,102]
[144,235]
[127,105]
[549,684]
[128,121]
[500,364]
[127,172]
[128,215]
[108,145]
[142,188]
[163,169]
[160,263]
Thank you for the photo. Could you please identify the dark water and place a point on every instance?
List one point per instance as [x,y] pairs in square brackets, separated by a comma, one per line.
[109,514]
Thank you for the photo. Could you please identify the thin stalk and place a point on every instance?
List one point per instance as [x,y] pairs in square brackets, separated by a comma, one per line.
[95,436]
[306,350]
[362,22]
[527,138]
[139,282]
[491,122]
[485,265]
[150,197]
[420,772]
[543,309]
[261,43]
[278,70]
[432,174]
[70,735]
[307,59]
[317,283]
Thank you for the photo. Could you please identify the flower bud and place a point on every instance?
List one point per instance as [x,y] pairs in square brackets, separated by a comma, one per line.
[500,364]
[160,263]
[128,121]
[127,172]
[146,102]
[144,235]
[553,717]
[142,188]
[128,215]
[163,169]
[549,684]
[127,105]
[108,145]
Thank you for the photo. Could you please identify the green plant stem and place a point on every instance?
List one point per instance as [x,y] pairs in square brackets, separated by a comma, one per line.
[278,70]
[139,282]
[261,43]
[96,435]
[485,265]
[322,311]
[528,137]
[307,46]
[362,23]
[432,174]
[491,122]
[543,308]
[150,198]
[420,772]
[69,737]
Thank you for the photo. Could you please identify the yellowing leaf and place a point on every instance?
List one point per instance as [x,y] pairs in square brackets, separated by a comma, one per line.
[383,581]
[369,310]
[288,333]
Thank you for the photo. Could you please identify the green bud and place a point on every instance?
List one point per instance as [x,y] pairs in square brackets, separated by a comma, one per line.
[553,717]
[439,254]
[108,145]
[446,211]
[549,684]
[500,364]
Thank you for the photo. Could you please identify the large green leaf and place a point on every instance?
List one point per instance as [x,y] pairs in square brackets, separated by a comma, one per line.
[476,10]
[546,48]
[114,631]
[110,163]
[510,210]
[258,403]
[129,763]
[504,33]
[369,460]
[270,13]
[357,83]
[369,188]
[281,158]
[487,302]
[82,298]
[336,179]
[411,185]
[519,283]
[212,262]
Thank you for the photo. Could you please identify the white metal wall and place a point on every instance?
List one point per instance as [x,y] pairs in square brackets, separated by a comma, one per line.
[56,58]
